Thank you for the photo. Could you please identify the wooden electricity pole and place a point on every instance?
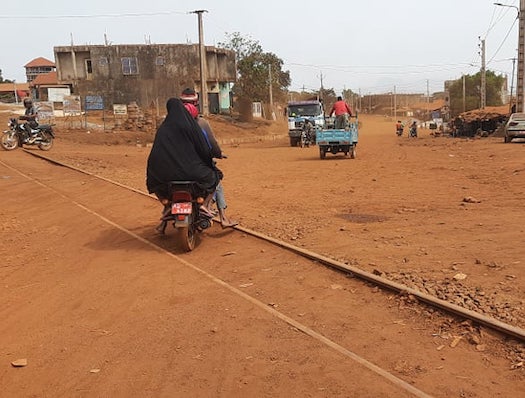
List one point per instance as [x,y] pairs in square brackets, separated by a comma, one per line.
[483,77]
[202,57]
[520,107]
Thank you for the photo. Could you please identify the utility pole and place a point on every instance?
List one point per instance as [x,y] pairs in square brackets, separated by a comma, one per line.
[512,83]
[395,103]
[16,94]
[464,95]
[520,107]
[483,77]
[271,92]
[428,102]
[202,58]
[321,90]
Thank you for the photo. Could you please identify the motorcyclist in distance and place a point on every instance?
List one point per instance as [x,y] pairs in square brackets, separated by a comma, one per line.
[399,128]
[30,116]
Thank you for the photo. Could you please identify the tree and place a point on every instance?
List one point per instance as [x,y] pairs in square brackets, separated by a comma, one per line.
[2,80]
[493,88]
[254,67]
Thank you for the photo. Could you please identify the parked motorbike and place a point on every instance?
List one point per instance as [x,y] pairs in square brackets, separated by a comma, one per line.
[399,131]
[182,208]
[41,135]
[308,134]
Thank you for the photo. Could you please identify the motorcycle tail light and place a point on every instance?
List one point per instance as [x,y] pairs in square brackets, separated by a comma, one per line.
[180,217]
[181,196]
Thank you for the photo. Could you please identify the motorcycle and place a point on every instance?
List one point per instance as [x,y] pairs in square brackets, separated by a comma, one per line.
[307,134]
[413,131]
[399,131]
[183,209]
[41,135]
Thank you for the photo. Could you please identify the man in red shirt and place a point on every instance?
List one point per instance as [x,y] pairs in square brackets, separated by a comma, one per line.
[342,113]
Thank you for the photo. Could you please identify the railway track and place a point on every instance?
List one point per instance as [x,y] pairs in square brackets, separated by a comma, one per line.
[449,308]
[257,298]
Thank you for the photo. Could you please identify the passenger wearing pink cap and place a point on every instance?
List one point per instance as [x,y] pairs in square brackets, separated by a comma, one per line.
[191,100]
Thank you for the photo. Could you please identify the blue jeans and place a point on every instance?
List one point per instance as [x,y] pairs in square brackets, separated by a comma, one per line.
[220,199]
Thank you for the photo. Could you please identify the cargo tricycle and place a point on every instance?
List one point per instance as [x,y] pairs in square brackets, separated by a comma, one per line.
[338,140]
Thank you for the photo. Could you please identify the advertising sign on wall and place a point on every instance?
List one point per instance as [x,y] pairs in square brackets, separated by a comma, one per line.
[45,109]
[57,94]
[72,105]
[94,103]
[120,109]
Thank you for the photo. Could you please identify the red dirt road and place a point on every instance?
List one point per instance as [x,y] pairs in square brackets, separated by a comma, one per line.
[97,311]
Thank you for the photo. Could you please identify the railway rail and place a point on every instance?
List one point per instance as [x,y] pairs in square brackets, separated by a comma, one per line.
[355,273]
[449,308]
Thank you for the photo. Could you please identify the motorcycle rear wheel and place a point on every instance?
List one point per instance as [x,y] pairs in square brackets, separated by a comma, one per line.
[9,141]
[186,238]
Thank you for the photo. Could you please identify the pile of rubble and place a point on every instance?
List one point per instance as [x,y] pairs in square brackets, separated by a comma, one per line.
[452,290]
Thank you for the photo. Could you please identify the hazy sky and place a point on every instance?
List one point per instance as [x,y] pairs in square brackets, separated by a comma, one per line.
[370,46]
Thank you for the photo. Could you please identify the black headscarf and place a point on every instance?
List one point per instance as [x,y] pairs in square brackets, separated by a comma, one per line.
[180,152]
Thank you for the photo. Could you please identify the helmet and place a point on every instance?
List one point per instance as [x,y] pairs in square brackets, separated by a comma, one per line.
[27,101]
[189,95]
[192,109]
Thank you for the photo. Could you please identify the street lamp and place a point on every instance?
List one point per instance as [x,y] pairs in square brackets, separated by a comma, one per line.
[513,59]
[510,6]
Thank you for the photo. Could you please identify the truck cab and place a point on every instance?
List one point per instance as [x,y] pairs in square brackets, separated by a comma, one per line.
[298,112]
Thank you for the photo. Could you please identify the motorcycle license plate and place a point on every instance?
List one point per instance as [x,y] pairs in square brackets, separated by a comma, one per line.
[181,208]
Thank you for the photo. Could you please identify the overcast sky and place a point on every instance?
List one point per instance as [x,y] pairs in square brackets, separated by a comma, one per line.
[369,46]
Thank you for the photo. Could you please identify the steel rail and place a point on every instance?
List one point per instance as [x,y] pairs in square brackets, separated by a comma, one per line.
[489,322]
[372,367]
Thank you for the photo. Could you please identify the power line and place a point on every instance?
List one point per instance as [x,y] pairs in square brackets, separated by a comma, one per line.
[120,15]
[503,42]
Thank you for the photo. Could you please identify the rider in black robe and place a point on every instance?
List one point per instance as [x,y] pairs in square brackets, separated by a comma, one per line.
[180,152]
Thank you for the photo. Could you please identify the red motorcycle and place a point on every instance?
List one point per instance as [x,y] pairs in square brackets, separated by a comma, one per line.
[182,208]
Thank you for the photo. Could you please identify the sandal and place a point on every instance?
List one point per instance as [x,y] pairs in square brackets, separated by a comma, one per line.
[206,212]
[229,224]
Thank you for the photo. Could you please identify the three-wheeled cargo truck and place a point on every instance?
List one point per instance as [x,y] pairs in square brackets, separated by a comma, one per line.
[338,140]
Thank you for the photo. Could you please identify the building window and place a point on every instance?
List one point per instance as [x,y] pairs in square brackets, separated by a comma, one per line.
[159,61]
[130,66]
[89,67]
[102,61]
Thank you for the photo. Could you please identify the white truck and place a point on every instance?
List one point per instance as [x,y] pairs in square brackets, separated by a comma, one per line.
[298,112]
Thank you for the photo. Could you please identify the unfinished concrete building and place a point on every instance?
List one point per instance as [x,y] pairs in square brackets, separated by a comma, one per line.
[145,74]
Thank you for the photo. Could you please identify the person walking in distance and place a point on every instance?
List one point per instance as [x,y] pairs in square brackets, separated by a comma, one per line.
[342,113]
